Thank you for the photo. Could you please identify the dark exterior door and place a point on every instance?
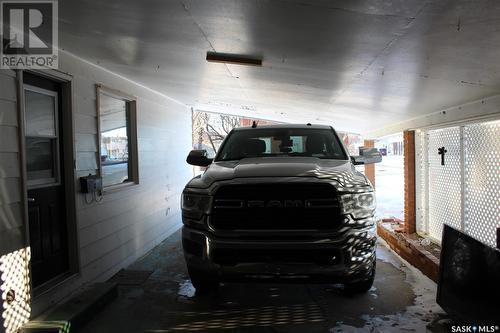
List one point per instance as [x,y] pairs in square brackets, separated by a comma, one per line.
[45,179]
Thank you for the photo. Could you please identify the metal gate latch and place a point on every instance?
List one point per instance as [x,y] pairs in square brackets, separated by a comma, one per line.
[442,151]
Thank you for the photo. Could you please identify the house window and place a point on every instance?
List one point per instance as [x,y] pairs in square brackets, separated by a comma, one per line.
[117,137]
[42,136]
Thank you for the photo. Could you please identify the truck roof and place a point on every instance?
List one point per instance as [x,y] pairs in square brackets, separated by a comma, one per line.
[305,126]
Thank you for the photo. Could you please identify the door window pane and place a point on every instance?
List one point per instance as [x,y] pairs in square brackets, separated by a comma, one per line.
[40,114]
[40,160]
[114,120]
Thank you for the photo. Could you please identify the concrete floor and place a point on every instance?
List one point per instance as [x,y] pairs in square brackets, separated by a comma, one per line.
[402,299]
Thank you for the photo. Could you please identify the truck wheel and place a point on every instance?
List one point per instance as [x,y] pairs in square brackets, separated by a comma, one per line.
[361,286]
[202,282]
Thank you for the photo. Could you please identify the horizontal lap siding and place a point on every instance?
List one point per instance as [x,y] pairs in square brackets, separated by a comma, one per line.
[9,139]
[128,222]
[128,252]
[128,216]
[10,165]
[8,112]
[11,221]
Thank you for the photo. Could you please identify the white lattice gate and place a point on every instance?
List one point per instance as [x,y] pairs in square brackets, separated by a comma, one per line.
[461,189]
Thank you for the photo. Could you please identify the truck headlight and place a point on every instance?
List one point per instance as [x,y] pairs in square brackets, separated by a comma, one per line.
[359,205]
[195,205]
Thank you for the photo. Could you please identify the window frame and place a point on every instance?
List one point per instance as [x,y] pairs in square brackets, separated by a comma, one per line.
[133,156]
[56,179]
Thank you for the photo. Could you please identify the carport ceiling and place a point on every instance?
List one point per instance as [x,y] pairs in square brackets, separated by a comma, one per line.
[358,65]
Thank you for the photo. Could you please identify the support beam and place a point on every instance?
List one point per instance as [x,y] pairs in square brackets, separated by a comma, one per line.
[370,168]
[409,183]
[486,108]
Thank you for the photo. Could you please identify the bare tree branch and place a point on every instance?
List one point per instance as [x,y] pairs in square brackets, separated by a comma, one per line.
[211,128]
[210,138]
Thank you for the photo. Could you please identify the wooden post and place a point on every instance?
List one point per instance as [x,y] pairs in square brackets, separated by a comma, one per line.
[370,168]
[409,183]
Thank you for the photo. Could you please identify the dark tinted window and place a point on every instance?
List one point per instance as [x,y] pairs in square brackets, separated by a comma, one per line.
[290,142]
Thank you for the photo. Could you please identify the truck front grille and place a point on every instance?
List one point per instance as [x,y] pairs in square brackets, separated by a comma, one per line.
[291,206]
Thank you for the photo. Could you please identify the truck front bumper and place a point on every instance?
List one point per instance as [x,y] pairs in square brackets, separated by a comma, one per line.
[347,256]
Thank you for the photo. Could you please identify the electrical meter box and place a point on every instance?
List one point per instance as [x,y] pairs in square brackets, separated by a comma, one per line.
[90,184]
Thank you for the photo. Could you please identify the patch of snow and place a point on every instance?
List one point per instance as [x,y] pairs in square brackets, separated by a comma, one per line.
[186,289]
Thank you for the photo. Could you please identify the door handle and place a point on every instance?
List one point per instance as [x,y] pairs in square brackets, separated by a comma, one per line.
[31,200]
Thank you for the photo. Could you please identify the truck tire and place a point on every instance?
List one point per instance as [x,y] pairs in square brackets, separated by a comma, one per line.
[202,282]
[361,286]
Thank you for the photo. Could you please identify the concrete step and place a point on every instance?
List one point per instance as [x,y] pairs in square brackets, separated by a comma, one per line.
[46,326]
[71,315]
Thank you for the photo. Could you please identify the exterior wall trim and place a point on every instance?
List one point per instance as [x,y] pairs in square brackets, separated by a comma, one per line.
[475,111]
[22,156]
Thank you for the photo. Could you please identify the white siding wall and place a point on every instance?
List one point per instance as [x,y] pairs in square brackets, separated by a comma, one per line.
[13,254]
[11,223]
[131,221]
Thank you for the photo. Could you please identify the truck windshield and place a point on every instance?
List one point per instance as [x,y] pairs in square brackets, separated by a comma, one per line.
[289,142]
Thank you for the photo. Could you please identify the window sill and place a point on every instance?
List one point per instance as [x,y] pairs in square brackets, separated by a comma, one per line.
[118,187]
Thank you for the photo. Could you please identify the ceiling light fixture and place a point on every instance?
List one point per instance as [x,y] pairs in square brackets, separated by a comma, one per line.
[235,59]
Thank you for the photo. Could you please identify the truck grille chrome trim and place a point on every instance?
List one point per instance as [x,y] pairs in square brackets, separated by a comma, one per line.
[228,203]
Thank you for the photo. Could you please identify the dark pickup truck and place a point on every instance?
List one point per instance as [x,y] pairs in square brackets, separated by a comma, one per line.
[281,202]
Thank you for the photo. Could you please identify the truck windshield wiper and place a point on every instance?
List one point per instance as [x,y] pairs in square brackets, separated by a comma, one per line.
[299,154]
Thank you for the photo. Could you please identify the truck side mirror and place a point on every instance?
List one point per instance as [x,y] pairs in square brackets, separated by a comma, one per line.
[367,156]
[199,158]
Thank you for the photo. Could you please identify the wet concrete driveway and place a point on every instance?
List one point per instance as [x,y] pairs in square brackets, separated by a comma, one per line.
[402,300]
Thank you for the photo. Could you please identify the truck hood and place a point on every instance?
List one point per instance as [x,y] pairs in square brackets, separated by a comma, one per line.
[339,172]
